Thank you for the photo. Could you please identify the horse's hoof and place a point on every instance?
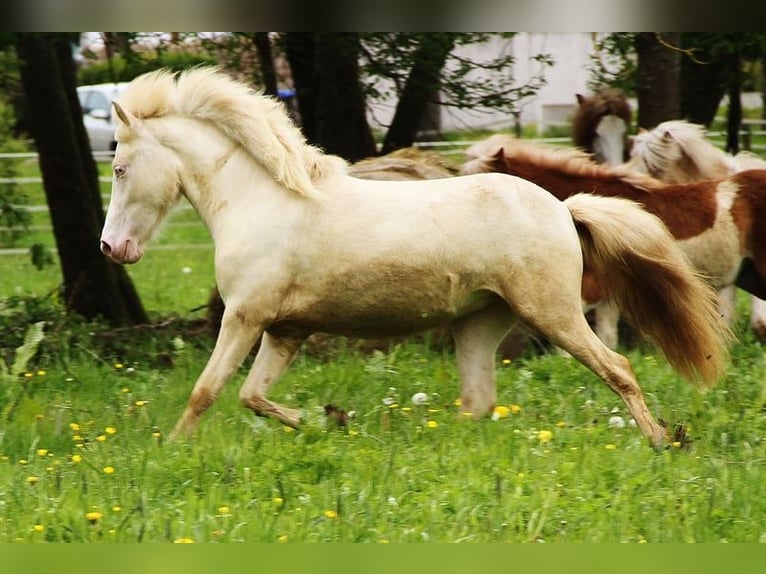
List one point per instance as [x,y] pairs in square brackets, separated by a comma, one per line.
[677,437]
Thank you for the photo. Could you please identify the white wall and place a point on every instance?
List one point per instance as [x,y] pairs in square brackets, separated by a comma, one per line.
[554,102]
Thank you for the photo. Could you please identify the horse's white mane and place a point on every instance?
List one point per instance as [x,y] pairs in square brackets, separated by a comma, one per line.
[667,145]
[257,122]
[571,160]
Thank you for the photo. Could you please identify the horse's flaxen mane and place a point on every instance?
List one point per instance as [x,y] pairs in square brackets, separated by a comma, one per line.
[572,161]
[604,102]
[679,151]
[257,122]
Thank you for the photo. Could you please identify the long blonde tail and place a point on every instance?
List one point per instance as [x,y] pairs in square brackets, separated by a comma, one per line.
[638,262]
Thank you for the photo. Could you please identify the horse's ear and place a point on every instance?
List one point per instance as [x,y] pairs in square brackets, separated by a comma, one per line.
[667,136]
[580,98]
[123,115]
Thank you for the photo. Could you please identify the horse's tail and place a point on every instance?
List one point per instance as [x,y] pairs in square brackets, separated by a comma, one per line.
[637,261]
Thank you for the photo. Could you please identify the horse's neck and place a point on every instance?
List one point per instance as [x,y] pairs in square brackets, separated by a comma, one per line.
[229,189]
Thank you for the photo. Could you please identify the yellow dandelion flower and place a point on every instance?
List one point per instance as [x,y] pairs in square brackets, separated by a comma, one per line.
[520,475]
[41,373]
[610,446]
[23,461]
[278,501]
[515,409]
[125,390]
[466,414]
[118,366]
[32,480]
[108,470]
[38,528]
[506,361]
[42,452]
[156,434]
[93,517]
[29,375]
[457,402]
[224,510]
[110,430]
[142,403]
[353,432]
[183,541]
[39,416]
[330,514]
[500,412]
[101,438]
[393,406]
[282,538]
[116,508]
[675,444]
[76,437]
[432,424]
[544,436]
[561,424]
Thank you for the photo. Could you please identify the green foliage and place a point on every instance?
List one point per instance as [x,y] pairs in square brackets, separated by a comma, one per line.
[12,380]
[119,69]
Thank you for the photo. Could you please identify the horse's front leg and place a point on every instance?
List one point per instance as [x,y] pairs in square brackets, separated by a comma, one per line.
[274,356]
[235,340]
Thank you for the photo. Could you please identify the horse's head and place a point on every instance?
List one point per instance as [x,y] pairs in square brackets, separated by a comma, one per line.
[146,183]
[600,125]
[655,152]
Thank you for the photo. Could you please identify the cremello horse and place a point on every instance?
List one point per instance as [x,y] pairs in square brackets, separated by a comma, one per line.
[301,246]
[678,151]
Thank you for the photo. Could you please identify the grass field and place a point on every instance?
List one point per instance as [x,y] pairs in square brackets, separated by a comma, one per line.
[84,457]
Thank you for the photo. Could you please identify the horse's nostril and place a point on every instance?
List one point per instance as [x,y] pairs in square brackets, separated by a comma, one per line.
[106,249]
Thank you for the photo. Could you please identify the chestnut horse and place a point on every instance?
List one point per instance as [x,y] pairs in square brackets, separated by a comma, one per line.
[716,223]
[678,151]
[301,247]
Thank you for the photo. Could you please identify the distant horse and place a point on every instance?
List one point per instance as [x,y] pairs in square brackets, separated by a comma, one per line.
[716,223]
[300,247]
[600,125]
[678,151]
[406,163]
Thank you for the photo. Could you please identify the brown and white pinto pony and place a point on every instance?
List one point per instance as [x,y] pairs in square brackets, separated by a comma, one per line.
[601,124]
[716,223]
[678,151]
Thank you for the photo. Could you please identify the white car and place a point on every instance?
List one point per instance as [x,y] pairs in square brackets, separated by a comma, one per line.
[96,104]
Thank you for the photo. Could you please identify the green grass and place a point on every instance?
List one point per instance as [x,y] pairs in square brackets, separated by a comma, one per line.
[401,473]
[98,399]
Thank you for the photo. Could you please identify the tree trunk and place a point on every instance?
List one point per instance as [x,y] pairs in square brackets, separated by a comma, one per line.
[422,83]
[341,116]
[657,78]
[734,113]
[262,44]
[702,85]
[93,285]
[300,48]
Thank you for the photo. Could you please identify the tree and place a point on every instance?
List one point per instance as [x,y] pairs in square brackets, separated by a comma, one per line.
[93,285]
[325,69]
[658,88]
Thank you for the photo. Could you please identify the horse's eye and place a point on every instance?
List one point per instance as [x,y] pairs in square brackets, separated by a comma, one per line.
[119,170]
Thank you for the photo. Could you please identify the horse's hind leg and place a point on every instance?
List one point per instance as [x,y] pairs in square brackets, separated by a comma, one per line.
[556,312]
[273,358]
[477,337]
